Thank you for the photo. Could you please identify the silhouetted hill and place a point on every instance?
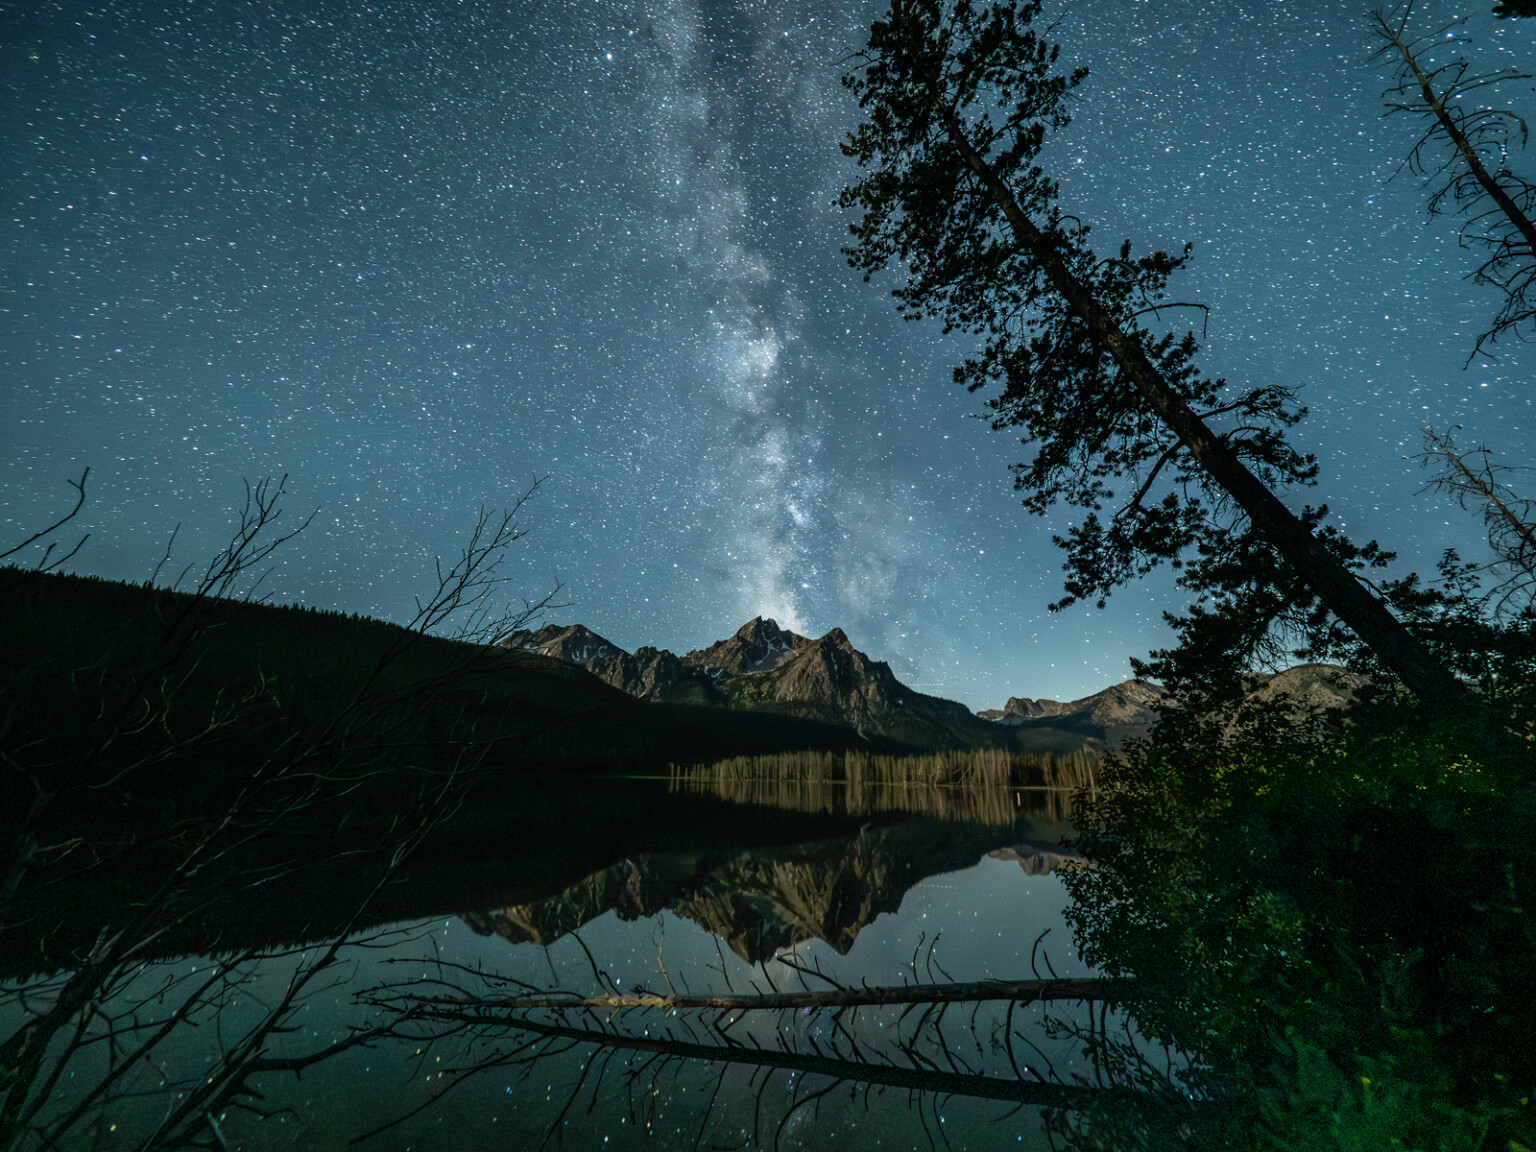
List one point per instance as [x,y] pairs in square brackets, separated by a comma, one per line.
[294,669]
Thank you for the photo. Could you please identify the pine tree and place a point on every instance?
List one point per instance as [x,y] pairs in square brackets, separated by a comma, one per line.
[958,100]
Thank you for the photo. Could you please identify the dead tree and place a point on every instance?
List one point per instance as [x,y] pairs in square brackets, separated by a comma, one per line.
[1478,484]
[111,1006]
[1463,156]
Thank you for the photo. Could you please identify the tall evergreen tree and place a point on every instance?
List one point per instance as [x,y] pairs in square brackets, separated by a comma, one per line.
[957,102]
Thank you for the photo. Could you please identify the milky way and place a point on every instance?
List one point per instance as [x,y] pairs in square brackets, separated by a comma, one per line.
[414,255]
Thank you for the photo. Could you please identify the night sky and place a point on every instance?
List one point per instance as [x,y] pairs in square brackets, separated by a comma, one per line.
[414,255]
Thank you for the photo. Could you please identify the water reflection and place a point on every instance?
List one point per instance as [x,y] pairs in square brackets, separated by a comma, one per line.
[988,787]
[617,964]
[207,1051]
[766,901]
[1039,859]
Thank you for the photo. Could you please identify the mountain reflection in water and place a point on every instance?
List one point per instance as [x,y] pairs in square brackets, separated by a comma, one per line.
[766,901]
[901,900]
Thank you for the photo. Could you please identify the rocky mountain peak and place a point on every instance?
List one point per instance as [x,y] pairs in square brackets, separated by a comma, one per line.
[832,669]
[646,673]
[760,630]
[1129,702]
[573,643]
[1131,708]
[1313,686]
[1120,712]
[763,667]
[758,645]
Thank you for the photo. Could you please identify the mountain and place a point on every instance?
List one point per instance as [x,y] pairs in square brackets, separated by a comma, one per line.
[647,672]
[1115,715]
[830,679]
[574,643]
[1130,709]
[765,668]
[1313,686]
[759,646]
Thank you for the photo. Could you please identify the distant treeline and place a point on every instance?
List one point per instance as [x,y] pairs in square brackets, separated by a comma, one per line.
[982,767]
[981,785]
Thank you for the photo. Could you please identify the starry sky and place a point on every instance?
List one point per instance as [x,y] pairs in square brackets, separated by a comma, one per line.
[414,255]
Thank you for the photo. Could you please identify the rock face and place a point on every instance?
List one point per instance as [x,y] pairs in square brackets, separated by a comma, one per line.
[767,668]
[647,672]
[1313,686]
[1132,708]
[1114,715]
[830,674]
[575,643]
[1126,703]
[758,646]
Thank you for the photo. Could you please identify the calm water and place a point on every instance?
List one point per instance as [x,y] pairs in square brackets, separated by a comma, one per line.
[904,898]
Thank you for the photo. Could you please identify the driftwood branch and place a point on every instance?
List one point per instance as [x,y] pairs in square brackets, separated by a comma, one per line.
[1026,991]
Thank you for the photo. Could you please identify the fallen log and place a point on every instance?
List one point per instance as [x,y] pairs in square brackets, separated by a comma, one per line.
[1024,991]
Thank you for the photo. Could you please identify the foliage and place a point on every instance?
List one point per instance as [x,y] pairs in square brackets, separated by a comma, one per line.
[925,205]
[1328,913]
[980,767]
[1163,461]
[1251,611]
[979,785]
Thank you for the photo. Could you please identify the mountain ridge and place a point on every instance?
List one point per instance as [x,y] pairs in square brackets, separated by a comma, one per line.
[1131,709]
[765,668]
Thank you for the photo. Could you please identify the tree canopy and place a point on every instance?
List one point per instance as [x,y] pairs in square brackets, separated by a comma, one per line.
[1166,463]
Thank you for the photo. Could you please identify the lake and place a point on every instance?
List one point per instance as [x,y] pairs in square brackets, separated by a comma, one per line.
[390,1033]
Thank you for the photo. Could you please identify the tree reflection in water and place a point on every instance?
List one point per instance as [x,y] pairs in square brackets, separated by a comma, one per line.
[335,1042]
[775,1040]
[1318,924]
[1299,938]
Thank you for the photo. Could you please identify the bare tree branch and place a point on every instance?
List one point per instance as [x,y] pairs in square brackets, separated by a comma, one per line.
[48,562]
[1475,482]
[1034,1092]
[1475,181]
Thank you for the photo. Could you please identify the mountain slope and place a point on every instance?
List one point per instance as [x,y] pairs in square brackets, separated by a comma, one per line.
[759,646]
[1118,713]
[1130,709]
[765,668]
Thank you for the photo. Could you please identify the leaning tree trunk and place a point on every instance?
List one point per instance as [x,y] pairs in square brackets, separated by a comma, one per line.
[1339,590]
